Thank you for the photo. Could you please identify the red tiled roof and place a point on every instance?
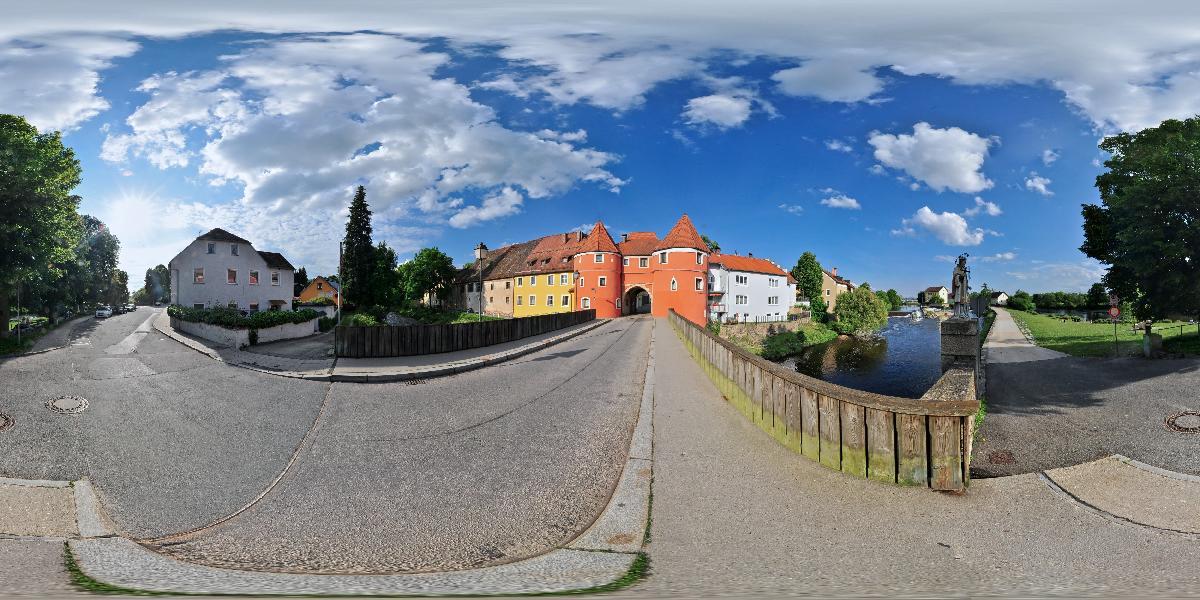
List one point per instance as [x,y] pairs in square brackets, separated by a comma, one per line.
[747,264]
[640,243]
[598,240]
[549,254]
[683,235]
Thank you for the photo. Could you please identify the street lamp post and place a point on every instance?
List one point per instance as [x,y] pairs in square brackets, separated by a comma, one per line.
[341,287]
[480,254]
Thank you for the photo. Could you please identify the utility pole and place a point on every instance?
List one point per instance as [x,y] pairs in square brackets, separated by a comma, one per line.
[341,287]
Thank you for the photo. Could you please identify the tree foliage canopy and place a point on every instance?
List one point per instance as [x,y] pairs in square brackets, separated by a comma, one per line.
[358,253]
[859,311]
[431,271]
[1147,228]
[808,275]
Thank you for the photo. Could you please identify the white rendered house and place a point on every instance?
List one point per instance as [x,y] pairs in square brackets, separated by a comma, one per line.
[747,289]
[222,269]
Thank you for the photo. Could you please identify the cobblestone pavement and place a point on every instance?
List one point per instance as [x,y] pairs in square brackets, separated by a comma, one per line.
[482,468]
[1047,410]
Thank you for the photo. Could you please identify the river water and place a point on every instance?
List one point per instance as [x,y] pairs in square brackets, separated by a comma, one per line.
[903,359]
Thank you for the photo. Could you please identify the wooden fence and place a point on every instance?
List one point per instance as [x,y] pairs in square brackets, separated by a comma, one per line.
[410,340]
[924,441]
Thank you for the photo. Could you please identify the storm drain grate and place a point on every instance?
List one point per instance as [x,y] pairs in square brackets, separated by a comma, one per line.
[5,421]
[1184,422]
[67,405]
[415,381]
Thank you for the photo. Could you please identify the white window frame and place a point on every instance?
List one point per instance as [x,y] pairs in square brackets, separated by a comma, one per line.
[532,300]
[699,284]
[198,280]
[252,277]
[625,262]
[699,258]
[562,279]
[644,262]
[773,300]
[585,303]
[274,277]
[550,279]
[598,258]
[662,258]
[741,279]
[519,299]
[212,248]
[674,284]
[520,282]
[228,271]
[550,300]
[233,249]
[566,300]
[602,281]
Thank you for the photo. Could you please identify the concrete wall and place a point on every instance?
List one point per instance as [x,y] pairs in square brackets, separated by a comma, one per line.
[237,338]
[215,291]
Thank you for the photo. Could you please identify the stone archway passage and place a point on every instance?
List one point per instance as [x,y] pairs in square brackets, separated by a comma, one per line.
[636,301]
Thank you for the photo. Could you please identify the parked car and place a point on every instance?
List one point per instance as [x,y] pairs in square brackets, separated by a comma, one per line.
[103,312]
[130,307]
[157,303]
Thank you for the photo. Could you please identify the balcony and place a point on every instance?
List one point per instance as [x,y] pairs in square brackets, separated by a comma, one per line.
[717,308]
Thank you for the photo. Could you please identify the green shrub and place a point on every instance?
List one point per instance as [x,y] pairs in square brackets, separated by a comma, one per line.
[859,311]
[326,323]
[253,337]
[714,327]
[782,345]
[232,318]
[360,320]
[320,301]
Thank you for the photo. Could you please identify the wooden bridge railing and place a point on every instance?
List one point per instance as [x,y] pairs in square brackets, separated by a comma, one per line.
[411,340]
[924,441]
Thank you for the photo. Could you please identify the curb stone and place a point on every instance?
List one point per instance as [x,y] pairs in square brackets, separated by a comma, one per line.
[603,555]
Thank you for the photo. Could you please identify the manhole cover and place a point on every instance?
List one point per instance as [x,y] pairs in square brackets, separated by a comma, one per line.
[1184,422]
[5,421]
[68,405]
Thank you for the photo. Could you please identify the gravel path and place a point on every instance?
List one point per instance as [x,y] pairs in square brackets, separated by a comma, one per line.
[1046,409]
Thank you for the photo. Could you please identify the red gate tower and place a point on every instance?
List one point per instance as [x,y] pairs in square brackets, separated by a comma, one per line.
[598,274]
[680,267]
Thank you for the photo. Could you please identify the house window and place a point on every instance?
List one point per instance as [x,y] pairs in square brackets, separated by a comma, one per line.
[662,258]
[506,300]
[773,300]
[532,300]
[549,280]
[566,300]
[674,284]
[741,279]
[212,248]
[699,284]
[580,281]
[603,281]
[599,258]
[520,281]
[491,299]
[231,276]
[644,262]
[253,277]
[712,281]
[491,286]
[740,300]
[507,284]
[563,279]
[254,307]
[624,262]
[233,305]
[699,258]
[233,249]
[519,300]
[549,300]
[320,286]
[274,277]
[586,303]
[198,306]
[618,303]
[198,276]
[826,292]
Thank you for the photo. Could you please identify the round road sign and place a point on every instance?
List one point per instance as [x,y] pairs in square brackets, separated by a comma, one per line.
[1114,312]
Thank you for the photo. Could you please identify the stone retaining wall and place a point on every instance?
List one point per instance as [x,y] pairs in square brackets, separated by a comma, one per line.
[925,441]
[238,338]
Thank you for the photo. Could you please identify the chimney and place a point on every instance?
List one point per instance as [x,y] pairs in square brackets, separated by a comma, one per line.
[567,236]
[624,237]
[750,255]
[833,271]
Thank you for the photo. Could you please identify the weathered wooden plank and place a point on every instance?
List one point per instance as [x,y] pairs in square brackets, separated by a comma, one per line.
[881,445]
[778,408]
[791,414]
[810,437]
[945,453]
[968,439]
[831,431]
[854,440]
[912,456]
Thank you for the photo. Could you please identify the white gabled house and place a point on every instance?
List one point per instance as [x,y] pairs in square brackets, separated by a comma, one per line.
[222,269]
[747,289]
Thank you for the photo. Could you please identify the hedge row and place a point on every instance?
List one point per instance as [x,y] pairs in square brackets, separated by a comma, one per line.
[231,317]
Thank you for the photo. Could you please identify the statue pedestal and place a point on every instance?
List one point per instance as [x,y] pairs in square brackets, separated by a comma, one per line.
[960,346]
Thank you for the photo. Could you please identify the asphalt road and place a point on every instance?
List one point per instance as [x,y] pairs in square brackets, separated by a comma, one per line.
[481,468]
[1047,410]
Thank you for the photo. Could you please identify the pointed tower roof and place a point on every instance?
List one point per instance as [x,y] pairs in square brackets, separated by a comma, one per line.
[683,235]
[598,240]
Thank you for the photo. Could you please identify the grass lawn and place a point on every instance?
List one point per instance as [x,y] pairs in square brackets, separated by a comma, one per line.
[1096,338]
[814,333]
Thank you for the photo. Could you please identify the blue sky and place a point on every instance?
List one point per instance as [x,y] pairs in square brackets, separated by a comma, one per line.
[885,148]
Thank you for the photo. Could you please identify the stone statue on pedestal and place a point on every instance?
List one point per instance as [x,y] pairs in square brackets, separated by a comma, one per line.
[960,295]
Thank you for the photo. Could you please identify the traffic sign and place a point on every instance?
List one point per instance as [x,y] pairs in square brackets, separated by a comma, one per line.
[1114,313]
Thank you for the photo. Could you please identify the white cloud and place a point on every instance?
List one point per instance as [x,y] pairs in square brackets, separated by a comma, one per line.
[1038,184]
[1049,156]
[363,108]
[942,158]
[830,79]
[838,146]
[53,81]
[877,169]
[794,209]
[998,257]
[1068,276]
[500,204]
[948,227]
[721,110]
[990,209]
[841,201]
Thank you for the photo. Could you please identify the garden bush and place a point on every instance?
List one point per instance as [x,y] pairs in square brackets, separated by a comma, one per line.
[326,323]
[782,345]
[360,320]
[233,318]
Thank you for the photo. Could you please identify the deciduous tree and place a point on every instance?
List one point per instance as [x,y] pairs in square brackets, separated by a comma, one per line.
[859,311]
[431,271]
[809,276]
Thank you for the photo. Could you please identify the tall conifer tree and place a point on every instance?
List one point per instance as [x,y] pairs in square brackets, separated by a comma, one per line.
[358,253]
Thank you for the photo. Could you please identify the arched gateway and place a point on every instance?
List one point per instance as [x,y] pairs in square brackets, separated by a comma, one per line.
[636,301]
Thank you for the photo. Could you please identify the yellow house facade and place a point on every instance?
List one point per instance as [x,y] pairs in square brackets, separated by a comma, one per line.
[543,293]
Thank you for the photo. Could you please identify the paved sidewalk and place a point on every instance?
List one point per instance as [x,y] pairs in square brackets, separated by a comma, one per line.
[62,335]
[373,370]
[1046,409]
[737,514]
